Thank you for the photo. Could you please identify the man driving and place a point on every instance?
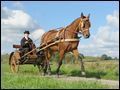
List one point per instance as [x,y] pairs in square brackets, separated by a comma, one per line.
[26,42]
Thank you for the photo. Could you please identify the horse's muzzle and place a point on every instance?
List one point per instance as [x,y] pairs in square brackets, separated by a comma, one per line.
[87,36]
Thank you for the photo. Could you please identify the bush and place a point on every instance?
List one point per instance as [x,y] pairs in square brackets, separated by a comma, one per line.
[106,57]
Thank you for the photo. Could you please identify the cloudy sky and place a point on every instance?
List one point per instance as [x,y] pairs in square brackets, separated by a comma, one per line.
[41,16]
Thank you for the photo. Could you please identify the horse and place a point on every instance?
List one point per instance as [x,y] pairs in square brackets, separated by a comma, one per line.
[79,25]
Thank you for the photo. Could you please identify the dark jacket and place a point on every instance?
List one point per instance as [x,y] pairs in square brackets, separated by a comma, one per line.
[26,45]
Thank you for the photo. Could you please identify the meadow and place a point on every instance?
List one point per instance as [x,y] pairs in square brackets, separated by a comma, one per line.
[29,76]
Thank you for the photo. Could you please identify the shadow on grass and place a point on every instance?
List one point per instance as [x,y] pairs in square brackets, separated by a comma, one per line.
[62,72]
[89,74]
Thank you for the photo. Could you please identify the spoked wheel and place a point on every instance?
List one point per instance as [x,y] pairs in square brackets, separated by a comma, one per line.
[12,62]
[14,67]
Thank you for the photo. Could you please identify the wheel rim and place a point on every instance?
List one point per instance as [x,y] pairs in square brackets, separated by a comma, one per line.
[13,65]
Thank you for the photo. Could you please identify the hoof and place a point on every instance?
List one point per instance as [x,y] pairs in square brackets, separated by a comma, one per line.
[49,73]
[43,74]
[83,73]
[57,75]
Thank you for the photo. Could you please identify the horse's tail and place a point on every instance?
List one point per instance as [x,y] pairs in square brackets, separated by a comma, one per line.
[11,54]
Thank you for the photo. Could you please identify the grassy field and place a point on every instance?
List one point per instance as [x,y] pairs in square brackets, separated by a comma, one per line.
[29,77]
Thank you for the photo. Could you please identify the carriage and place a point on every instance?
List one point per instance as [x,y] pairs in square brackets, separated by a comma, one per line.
[18,58]
[36,56]
[63,40]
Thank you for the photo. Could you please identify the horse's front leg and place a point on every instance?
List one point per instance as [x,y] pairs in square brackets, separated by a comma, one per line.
[78,56]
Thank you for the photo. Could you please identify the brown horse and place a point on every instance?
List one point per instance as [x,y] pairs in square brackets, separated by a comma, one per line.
[80,25]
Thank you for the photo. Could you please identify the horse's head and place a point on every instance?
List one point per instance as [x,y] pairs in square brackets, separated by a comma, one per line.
[84,25]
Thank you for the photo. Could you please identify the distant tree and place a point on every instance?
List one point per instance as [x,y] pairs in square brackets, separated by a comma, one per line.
[104,57]
[116,58]
[109,58]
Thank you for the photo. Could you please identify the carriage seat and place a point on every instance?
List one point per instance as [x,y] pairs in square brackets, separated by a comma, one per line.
[31,55]
[17,46]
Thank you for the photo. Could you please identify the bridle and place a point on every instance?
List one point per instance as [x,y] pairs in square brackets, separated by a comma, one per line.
[81,27]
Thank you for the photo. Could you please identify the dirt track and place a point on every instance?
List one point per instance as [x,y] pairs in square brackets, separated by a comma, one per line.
[102,81]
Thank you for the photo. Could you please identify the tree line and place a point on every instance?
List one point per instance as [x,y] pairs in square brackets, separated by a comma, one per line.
[106,57]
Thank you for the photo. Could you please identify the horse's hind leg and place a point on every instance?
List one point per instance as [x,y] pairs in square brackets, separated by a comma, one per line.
[82,66]
[77,56]
[48,63]
[49,68]
[40,68]
[60,62]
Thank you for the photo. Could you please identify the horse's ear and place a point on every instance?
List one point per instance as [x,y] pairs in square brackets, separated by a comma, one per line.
[89,15]
[82,14]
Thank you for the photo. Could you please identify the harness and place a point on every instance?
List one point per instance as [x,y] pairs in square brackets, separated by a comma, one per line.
[60,39]
[75,31]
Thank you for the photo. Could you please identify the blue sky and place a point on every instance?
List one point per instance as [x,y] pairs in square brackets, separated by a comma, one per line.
[54,14]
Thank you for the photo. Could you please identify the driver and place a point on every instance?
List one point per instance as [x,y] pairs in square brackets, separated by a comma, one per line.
[26,42]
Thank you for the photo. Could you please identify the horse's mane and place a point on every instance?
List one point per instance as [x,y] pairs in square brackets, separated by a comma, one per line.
[77,20]
[52,30]
[74,21]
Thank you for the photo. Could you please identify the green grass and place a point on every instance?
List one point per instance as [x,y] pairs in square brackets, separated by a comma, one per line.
[29,76]
[33,82]
[30,81]
[102,69]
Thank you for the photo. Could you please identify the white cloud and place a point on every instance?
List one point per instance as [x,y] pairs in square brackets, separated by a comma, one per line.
[106,40]
[37,34]
[106,35]
[13,24]
[5,13]
[16,19]
[113,19]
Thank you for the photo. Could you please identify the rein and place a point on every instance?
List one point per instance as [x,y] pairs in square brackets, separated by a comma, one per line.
[58,41]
